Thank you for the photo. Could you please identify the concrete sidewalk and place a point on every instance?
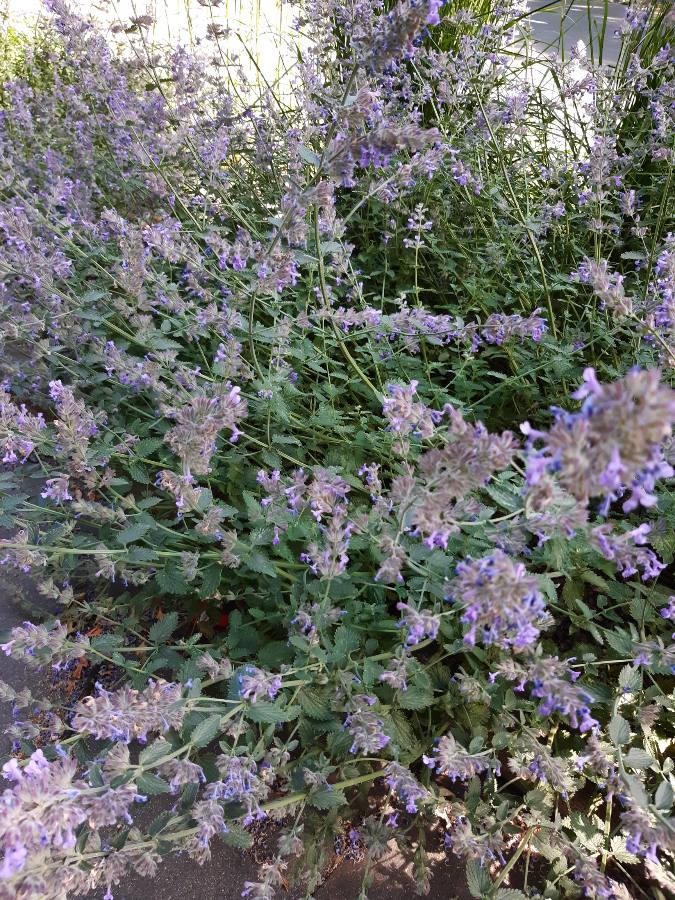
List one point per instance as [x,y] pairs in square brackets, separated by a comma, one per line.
[574,26]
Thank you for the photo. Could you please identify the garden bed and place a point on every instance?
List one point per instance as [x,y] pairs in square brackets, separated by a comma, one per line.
[337,425]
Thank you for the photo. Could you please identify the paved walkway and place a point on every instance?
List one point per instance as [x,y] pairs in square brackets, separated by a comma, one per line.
[574,26]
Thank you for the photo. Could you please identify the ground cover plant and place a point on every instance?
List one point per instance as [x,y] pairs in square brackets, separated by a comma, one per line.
[336,426]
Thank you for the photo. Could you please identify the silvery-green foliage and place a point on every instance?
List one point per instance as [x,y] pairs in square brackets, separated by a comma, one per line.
[339,435]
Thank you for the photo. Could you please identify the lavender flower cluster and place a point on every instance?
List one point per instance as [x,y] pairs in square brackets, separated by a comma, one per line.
[262,366]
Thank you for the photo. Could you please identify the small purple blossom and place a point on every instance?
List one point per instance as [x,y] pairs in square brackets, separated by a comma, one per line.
[401,781]
[502,603]
[405,415]
[449,758]
[255,683]
[365,728]
[612,445]
[57,489]
[418,624]
[128,714]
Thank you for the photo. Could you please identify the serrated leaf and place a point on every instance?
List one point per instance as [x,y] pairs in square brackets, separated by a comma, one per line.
[151,785]
[138,472]
[315,703]
[132,533]
[189,795]
[236,837]
[508,500]
[96,777]
[308,155]
[664,544]
[159,342]
[346,640]
[619,730]
[641,610]
[630,679]
[151,754]
[327,798]
[663,799]
[163,628]
[477,879]
[510,894]
[637,791]
[619,852]
[205,731]
[620,640]
[141,554]
[160,822]
[274,654]
[415,698]
[259,562]
[171,581]
[210,580]
[252,506]
[403,735]
[106,643]
[148,502]
[146,446]
[637,758]
[267,713]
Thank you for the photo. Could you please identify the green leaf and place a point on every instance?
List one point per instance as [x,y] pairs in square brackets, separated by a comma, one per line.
[95,777]
[630,679]
[663,799]
[206,731]
[619,730]
[403,735]
[274,654]
[478,879]
[664,544]
[507,499]
[106,643]
[159,342]
[152,784]
[163,628]
[510,894]
[619,852]
[171,581]
[148,502]
[315,703]
[637,791]
[308,155]
[146,446]
[133,533]
[252,506]
[160,822]
[153,753]
[138,472]
[237,837]
[267,713]
[327,798]
[259,562]
[637,758]
[210,582]
[345,642]
[415,698]
[620,640]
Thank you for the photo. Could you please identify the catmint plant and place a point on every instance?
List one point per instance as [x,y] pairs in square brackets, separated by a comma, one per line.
[336,436]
